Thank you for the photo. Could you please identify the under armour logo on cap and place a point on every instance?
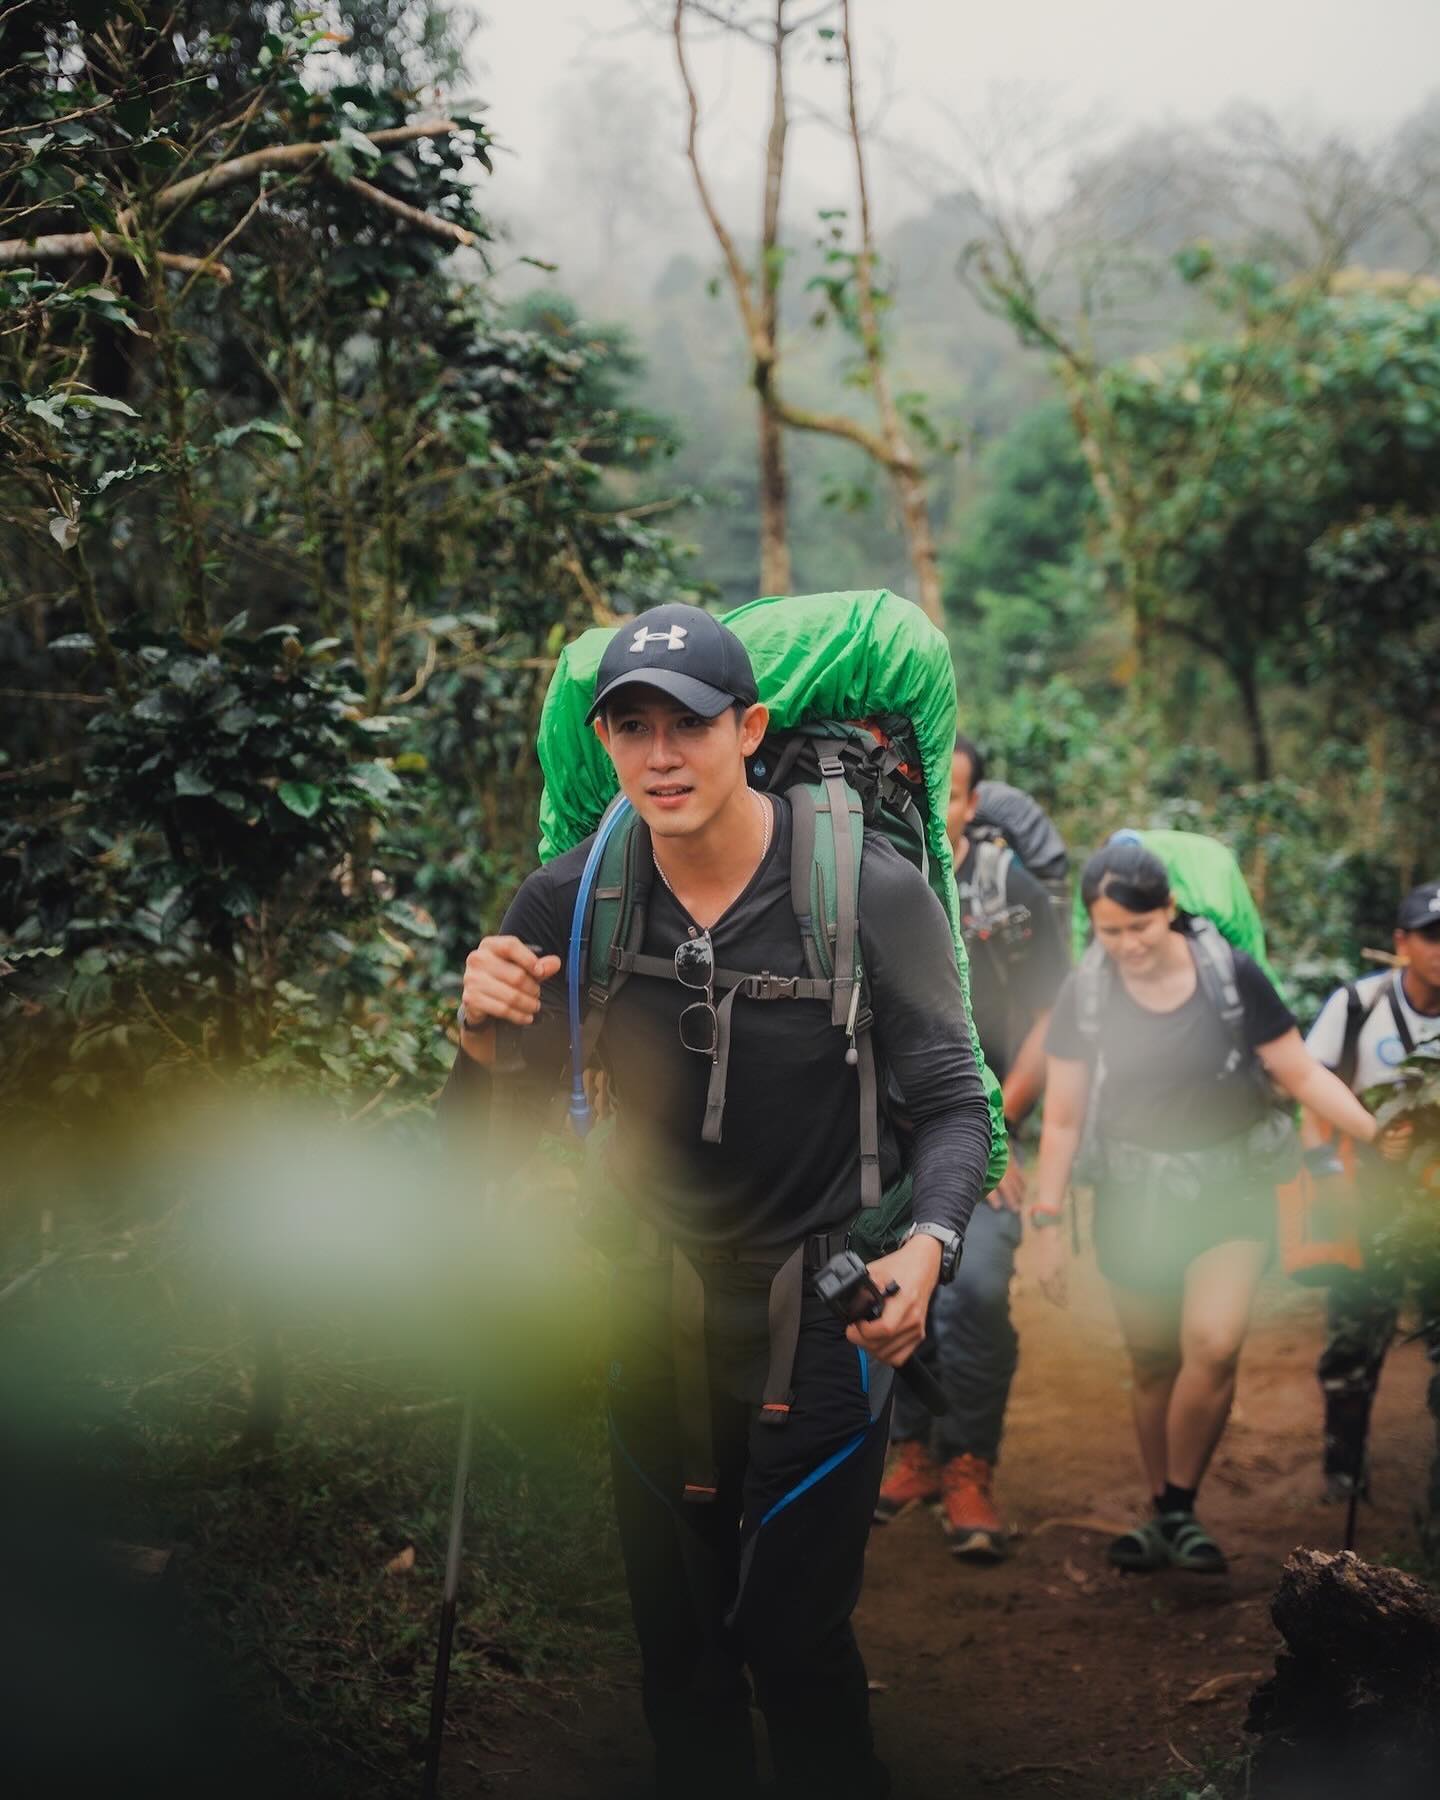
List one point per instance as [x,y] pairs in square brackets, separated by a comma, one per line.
[679,651]
[673,639]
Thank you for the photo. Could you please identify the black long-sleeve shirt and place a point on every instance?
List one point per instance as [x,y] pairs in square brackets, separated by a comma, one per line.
[789,1161]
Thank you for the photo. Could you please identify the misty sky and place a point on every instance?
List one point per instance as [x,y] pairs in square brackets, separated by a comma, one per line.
[1359,64]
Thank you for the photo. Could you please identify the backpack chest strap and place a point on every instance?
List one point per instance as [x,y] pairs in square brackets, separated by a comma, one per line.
[763,986]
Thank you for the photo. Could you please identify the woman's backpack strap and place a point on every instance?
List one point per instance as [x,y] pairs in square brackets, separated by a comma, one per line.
[1215,969]
[1092,983]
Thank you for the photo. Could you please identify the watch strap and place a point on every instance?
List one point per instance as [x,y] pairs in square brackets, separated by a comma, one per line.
[949,1242]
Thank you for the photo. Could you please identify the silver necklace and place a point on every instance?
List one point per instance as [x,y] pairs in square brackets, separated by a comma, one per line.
[766,806]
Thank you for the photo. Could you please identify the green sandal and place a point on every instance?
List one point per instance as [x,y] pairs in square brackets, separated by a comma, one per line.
[1141,1549]
[1191,1545]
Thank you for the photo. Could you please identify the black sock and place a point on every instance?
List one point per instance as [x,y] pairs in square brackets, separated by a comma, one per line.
[1175,1499]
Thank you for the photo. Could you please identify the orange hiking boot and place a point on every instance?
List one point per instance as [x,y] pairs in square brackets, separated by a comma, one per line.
[968,1512]
[913,1479]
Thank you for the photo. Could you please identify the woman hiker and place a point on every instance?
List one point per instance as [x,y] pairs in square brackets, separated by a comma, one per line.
[1186,1144]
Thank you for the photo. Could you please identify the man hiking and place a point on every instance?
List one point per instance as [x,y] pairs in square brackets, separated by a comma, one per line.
[1017,965]
[1364,1032]
[743,1500]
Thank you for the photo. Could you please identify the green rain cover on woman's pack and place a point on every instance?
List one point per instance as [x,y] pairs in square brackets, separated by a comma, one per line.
[815,656]
[1205,879]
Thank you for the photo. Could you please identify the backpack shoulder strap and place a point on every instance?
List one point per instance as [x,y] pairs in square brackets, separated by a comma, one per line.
[827,843]
[1215,969]
[989,890]
[1391,991]
[1357,1016]
[600,903]
[610,914]
[1092,981]
[839,833]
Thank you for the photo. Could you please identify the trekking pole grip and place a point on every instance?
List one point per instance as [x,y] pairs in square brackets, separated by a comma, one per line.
[847,1287]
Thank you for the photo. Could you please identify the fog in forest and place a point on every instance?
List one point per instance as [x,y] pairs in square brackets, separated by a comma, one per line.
[1108,137]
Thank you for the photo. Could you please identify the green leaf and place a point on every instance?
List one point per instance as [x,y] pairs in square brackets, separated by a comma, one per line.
[376,779]
[43,406]
[302,797]
[341,162]
[130,472]
[357,142]
[270,428]
[238,898]
[133,116]
[193,782]
[160,153]
[104,403]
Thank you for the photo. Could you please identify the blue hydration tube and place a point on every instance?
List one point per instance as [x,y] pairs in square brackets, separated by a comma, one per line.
[580,1115]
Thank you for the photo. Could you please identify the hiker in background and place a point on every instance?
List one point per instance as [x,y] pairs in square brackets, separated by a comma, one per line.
[1158,1053]
[1364,1032]
[743,1513]
[1017,965]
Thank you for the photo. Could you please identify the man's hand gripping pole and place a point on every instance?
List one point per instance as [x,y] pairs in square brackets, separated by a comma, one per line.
[848,1289]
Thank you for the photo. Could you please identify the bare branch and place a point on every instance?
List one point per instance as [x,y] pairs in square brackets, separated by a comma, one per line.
[442,229]
[839,425]
[67,246]
[739,274]
[64,246]
[284,156]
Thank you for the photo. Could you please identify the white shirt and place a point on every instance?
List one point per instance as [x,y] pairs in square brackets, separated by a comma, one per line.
[1381,1049]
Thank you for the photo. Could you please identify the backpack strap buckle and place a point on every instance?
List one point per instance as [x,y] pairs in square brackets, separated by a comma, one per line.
[766,986]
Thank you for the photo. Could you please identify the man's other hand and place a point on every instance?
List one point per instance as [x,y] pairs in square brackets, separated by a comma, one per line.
[502,985]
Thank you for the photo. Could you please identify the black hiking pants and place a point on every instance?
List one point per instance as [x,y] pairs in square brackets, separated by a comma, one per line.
[764,1577]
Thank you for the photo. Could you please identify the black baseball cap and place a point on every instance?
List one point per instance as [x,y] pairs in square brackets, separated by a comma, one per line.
[683,652]
[1419,908]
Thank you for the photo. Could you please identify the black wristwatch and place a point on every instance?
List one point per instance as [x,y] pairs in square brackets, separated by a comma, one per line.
[949,1242]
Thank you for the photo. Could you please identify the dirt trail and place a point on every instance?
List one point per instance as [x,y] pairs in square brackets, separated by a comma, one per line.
[1054,1674]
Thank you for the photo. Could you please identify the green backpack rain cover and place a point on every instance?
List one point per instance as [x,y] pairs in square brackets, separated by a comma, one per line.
[1205,880]
[817,658]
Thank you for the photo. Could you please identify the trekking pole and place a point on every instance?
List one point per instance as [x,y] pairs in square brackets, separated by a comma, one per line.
[1351,1512]
[447,1608]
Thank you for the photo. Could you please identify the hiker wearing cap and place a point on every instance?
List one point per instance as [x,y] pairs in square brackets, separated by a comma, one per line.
[1364,1032]
[1017,965]
[1160,1054]
[748,1423]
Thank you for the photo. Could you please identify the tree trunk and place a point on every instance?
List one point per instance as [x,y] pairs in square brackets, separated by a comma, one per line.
[1354,1704]
[774,493]
[920,536]
[775,577]
[1249,690]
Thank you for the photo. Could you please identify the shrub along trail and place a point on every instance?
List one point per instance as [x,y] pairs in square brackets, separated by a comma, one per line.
[1053,1674]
